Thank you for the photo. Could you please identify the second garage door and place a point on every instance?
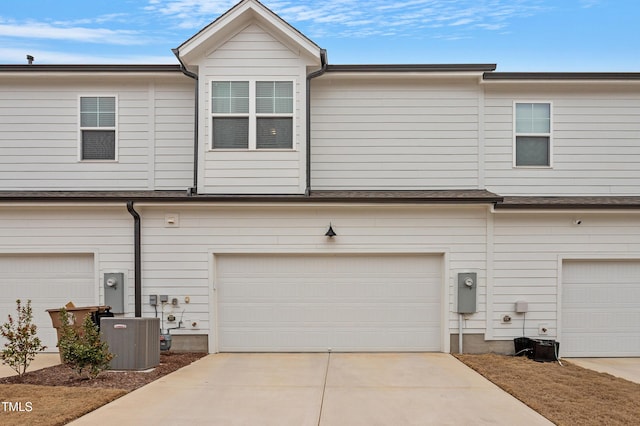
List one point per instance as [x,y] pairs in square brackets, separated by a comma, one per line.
[50,281]
[600,309]
[292,303]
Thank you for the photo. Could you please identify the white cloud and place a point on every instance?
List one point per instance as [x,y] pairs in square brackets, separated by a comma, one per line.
[356,18]
[42,30]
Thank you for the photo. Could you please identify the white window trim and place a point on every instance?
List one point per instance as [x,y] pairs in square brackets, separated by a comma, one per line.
[115,128]
[549,135]
[253,116]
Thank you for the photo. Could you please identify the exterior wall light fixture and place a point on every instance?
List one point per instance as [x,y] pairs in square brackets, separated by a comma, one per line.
[330,232]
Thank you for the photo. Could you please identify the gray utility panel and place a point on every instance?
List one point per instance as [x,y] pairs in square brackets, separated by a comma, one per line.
[135,342]
[114,291]
[467,289]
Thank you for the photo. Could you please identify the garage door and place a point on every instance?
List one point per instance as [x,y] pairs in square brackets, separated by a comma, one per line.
[600,309]
[290,303]
[49,281]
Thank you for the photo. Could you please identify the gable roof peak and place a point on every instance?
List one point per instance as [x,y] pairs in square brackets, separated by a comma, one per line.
[236,18]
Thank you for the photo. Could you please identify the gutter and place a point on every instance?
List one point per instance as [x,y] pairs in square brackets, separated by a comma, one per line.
[194,189]
[137,247]
[314,74]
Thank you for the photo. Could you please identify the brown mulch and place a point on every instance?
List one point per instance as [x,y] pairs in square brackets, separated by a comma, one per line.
[61,375]
[565,394]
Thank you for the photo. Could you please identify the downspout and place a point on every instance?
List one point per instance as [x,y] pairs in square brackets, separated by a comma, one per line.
[137,262]
[314,74]
[194,189]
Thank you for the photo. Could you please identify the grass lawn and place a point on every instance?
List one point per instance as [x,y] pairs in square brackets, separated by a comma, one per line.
[566,395]
[51,405]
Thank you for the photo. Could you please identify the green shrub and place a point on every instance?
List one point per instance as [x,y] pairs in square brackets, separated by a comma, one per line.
[81,348]
[22,342]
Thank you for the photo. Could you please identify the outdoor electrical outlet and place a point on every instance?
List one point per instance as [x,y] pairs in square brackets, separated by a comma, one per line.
[543,329]
[506,319]
[164,298]
[153,300]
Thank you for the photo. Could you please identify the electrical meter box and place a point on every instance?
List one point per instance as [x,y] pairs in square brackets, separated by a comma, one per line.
[467,289]
[114,291]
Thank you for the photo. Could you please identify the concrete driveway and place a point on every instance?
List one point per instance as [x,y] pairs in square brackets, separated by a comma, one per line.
[319,389]
[626,368]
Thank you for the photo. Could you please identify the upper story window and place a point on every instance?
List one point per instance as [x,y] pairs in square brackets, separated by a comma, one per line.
[252,115]
[98,128]
[532,134]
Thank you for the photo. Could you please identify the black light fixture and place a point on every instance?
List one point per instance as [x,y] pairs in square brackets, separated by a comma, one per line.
[330,232]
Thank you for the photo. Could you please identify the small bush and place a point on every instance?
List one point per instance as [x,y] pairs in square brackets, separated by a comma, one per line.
[22,341]
[81,348]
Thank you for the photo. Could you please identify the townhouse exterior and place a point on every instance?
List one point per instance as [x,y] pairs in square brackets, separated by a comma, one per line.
[454,192]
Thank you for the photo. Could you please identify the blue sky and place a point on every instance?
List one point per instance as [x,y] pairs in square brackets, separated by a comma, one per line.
[518,35]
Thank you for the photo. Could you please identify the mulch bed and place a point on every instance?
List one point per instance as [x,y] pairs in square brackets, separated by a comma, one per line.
[61,375]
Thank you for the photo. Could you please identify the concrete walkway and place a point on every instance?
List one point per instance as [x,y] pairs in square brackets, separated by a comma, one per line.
[626,368]
[42,360]
[319,389]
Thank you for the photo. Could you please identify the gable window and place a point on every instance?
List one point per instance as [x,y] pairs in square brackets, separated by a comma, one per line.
[252,115]
[98,128]
[532,134]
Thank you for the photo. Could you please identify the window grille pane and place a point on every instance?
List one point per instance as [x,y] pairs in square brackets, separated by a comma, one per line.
[89,104]
[532,151]
[230,97]
[274,133]
[98,111]
[264,89]
[274,97]
[264,105]
[89,119]
[107,104]
[98,145]
[106,119]
[283,89]
[230,133]
[533,118]
[221,89]
[283,106]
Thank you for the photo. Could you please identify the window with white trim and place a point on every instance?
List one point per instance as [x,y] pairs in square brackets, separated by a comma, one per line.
[252,115]
[532,134]
[98,128]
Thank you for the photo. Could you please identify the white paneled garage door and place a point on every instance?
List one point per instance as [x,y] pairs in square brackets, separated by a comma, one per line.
[49,281]
[280,303]
[600,309]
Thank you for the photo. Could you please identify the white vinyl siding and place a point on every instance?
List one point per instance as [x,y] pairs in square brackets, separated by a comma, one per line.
[39,133]
[409,133]
[600,308]
[595,150]
[319,303]
[254,55]
[56,255]
[528,249]
[173,130]
[180,258]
